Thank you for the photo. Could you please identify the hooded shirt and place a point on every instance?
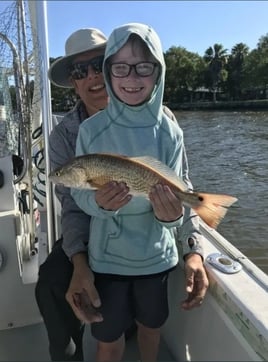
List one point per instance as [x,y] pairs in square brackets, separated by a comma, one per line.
[131,241]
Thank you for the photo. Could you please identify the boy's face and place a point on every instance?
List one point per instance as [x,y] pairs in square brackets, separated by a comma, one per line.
[133,89]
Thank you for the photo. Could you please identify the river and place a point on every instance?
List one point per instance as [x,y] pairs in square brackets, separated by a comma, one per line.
[228,153]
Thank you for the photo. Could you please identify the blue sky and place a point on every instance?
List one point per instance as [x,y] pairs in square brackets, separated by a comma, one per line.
[195,25]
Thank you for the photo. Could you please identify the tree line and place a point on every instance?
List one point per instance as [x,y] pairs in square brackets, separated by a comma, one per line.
[236,76]
[217,75]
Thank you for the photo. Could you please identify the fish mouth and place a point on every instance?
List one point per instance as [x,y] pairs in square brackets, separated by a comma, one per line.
[52,179]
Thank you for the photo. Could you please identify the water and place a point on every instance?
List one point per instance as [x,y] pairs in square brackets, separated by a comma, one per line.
[228,153]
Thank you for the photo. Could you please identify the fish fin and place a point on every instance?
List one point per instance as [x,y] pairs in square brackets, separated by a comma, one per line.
[97,182]
[213,207]
[162,169]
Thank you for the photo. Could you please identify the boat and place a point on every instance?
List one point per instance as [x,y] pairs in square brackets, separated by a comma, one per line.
[231,324]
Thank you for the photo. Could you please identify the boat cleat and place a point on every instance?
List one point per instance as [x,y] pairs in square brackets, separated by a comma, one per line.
[224,263]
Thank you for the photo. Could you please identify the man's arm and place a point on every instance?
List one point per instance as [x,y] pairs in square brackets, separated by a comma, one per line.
[82,294]
[190,239]
[74,222]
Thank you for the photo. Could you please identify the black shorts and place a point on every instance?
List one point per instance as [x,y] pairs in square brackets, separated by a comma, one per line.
[128,298]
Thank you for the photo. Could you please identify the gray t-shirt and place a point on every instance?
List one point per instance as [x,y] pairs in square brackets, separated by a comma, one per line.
[62,143]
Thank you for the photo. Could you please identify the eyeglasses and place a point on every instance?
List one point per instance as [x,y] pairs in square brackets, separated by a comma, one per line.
[79,70]
[122,70]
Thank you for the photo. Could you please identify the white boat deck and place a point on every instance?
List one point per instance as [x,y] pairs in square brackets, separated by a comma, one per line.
[23,344]
[131,351]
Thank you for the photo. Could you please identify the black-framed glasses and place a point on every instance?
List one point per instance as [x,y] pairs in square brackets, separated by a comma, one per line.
[143,69]
[79,70]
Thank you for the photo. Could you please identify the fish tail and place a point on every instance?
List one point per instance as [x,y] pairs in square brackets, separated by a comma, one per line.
[213,207]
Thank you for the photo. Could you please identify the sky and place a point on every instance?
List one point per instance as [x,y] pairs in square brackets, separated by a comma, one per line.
[194,25]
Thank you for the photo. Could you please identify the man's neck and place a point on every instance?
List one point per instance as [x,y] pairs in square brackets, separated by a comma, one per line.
[91,111]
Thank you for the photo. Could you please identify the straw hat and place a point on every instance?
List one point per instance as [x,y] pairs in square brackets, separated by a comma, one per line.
[79,42]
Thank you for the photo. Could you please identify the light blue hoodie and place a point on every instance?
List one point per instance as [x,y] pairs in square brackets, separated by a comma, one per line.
[131,241]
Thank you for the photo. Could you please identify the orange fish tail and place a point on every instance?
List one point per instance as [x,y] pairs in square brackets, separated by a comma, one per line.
[213,208]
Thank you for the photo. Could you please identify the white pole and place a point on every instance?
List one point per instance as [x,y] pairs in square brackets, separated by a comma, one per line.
[38,13]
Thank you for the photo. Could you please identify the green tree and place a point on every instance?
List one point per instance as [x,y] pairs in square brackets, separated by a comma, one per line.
[216,59]
[255,81]
[183,75]
[262,68]
[235,67]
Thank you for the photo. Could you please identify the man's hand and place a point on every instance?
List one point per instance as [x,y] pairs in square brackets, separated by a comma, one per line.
[196,281]
[82,294]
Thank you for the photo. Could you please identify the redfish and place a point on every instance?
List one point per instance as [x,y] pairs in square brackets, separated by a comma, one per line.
[140,174]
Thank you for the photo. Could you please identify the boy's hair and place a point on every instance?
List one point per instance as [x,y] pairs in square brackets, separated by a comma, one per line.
[139,44]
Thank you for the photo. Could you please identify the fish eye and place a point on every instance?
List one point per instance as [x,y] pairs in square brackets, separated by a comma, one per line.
[57,173]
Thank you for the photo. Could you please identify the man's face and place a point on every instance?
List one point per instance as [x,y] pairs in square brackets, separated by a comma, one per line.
[91,89]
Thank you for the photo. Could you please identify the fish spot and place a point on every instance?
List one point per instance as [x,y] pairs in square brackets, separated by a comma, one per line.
[200,198]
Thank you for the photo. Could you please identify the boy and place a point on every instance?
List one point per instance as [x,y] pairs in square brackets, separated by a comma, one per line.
[132,246]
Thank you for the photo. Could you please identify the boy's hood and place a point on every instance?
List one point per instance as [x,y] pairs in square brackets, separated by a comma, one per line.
[152,109]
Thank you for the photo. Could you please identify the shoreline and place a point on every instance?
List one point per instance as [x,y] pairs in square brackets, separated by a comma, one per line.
[255,105]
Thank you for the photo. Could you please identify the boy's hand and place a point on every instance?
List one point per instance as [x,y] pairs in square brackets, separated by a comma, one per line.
[113,195]
[167,207]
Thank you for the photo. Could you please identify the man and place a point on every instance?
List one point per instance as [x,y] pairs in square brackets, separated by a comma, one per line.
[66,270]
[80,68]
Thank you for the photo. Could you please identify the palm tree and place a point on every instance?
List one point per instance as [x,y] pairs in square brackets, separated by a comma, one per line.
[236,65]
[216,58]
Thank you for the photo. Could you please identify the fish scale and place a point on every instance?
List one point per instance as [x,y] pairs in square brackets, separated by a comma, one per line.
[139,179]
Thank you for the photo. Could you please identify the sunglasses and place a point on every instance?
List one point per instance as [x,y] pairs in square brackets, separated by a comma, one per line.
[79,70]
